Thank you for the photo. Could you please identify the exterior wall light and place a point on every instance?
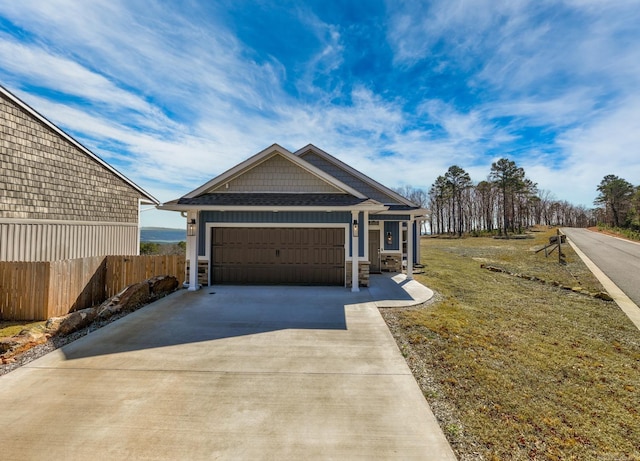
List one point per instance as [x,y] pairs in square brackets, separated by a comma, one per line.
[355,227]
[389,238]
[191,228]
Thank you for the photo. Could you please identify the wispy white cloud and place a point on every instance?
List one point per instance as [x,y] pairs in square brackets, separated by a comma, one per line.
[569,68]
[174,96]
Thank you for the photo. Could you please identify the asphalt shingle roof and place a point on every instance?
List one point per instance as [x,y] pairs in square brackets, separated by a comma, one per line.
[394,207]
[272,199]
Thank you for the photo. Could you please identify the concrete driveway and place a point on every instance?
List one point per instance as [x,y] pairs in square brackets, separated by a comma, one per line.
[228,373]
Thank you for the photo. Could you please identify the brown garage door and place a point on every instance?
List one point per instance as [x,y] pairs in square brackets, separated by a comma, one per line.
[287,256]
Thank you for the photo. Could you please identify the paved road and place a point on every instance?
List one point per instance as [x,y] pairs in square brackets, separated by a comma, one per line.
[227,373]
[617,258]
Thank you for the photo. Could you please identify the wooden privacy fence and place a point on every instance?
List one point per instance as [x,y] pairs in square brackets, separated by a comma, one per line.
[122,271]
[40,290]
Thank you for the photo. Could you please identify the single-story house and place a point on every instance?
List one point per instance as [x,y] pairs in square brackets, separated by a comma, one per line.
[58,200]
[301,217]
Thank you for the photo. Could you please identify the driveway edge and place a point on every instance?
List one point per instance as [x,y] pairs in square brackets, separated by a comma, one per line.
[625,303]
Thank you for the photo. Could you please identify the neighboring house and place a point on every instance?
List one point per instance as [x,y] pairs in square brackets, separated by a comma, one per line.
[294,218]
[57,199]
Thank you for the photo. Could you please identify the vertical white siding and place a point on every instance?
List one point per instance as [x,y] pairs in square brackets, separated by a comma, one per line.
[48,241]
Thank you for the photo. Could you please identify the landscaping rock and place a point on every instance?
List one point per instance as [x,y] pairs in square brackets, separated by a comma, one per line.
[26,339]
[108,308]
[7,343]
[580,290]
[162,285]
[602,295]
[53,324]
[134,296]
[76,320]
[33,335]
[61,330]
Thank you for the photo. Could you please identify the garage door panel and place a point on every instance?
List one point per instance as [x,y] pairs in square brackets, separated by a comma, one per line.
[278,256]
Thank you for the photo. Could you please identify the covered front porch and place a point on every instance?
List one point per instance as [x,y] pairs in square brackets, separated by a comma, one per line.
[387,243]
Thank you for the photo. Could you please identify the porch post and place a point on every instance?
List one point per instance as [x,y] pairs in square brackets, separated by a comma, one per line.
[365,229]
[410,238]
[355,249]
[192,251]
[419,223]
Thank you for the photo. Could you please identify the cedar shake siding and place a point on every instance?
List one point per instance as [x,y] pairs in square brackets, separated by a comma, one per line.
[276,174]
[46,177]
[57,200]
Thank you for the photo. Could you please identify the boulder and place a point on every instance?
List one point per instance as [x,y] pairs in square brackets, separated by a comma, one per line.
[134,296]
[33,335]
[108,308]
[106,311]
[53,324]
[602,295]
[162,285]
[8,343]
[24,340]
[76,320]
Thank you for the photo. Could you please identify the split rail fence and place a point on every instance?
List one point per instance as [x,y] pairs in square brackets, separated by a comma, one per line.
[40,290]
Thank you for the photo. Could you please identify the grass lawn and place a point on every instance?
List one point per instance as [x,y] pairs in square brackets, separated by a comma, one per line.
[518,369]
[11,328]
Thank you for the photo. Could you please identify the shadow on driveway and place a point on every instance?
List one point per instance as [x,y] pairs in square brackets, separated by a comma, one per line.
[220,312]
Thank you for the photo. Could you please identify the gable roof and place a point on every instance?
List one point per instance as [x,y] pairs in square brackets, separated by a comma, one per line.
[257,184]
[245,167]
[40,118]
[356,179]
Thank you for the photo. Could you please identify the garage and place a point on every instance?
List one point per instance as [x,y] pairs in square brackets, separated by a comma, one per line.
[278,255]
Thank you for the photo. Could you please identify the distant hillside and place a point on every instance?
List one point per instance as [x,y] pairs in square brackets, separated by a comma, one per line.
[162,235]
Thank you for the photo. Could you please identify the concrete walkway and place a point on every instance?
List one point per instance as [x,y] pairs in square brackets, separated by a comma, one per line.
[229,373]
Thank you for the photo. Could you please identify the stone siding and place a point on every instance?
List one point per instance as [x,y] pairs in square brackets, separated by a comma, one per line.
[391,262]
[203,272]
[363,273]
[44,176]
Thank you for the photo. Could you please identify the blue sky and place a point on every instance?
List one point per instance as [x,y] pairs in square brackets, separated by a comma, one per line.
[174,93]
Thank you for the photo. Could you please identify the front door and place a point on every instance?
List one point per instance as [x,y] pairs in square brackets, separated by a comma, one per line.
[374,251]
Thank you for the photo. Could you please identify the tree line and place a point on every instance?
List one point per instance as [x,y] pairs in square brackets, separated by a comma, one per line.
[508,202]
[619,203]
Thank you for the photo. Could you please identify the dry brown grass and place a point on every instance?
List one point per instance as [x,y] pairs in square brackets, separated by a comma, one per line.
[11,328]
[516,369]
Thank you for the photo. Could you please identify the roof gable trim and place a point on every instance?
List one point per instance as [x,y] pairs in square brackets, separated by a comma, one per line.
[373,183]
[261,157]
